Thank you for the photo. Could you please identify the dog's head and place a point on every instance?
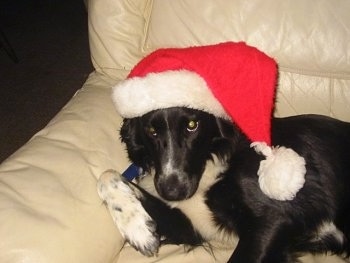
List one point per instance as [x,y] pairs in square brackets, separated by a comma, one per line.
[175,144]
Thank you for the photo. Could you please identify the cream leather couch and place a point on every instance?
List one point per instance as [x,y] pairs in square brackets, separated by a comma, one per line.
[49,208]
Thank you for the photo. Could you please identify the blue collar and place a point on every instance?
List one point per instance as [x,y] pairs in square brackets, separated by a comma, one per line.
[131,172]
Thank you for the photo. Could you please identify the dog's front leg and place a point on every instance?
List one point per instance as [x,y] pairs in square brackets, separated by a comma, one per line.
[172,224]
[142,218]
[266,244]
[124,205]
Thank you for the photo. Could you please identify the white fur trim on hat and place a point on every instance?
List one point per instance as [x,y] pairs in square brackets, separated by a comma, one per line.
[282,173]
[137,96]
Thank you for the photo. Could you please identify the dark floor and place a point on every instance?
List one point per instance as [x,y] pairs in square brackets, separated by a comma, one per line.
[50,40]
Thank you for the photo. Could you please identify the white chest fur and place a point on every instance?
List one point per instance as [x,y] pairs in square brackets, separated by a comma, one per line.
[195,207]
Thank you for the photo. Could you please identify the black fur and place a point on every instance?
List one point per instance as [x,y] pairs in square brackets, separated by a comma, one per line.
[269,230]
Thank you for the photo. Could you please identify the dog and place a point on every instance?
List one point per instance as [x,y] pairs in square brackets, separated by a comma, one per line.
[200,185]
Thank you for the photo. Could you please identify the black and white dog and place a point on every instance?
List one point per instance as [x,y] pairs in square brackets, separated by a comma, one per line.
[201,185]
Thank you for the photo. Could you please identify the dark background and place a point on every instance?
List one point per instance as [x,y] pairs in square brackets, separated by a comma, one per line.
[50,40]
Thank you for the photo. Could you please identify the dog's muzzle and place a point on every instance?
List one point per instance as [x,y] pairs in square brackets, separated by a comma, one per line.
[174,187]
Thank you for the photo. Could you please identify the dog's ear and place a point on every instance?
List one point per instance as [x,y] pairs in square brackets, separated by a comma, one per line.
[230,137]
[226,128]
[131,134]
[128,131]
[230,131]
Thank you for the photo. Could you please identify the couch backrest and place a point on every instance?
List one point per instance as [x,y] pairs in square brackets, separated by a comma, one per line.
[309,39]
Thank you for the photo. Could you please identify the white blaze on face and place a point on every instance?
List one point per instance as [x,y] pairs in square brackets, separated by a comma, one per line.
[169,167]
[169,156]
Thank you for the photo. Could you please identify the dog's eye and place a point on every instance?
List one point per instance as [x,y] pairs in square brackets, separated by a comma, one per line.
[151,131]
[192,126]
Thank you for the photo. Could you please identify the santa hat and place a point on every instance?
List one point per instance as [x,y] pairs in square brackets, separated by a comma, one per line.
[229,80]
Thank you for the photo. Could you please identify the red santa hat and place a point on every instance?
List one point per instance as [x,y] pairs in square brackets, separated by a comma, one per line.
[229,80]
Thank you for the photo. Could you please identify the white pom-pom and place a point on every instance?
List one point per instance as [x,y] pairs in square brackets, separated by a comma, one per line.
[282,173]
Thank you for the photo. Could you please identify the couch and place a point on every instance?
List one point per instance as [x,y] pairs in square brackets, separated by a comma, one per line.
[49,207]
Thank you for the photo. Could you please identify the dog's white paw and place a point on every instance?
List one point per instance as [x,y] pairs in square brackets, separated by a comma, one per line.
[133,222]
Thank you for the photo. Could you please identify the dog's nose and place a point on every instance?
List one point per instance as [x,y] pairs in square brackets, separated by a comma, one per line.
[172,188]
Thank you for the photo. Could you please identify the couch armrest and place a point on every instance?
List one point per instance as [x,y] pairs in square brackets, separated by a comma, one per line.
[49,207]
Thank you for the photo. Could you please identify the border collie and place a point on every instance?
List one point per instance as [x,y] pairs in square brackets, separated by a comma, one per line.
[200,184]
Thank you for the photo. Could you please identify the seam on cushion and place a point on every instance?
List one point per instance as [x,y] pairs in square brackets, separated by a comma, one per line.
[148,14]
[325,74]
[331,97]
